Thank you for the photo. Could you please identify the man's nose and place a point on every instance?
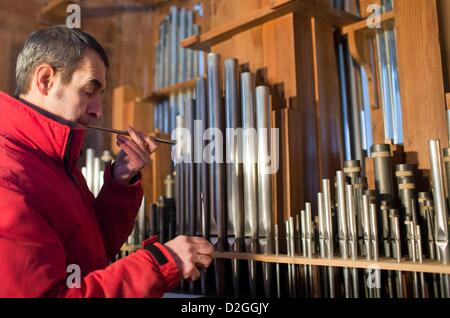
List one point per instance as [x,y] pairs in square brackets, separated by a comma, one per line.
[95,108]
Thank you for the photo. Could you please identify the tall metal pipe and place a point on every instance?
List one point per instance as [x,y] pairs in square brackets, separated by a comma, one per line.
[166,54]
[162,219]
[190,182]
[441,212]
[189,52]
[203,196]
[292,254]
[359,188]
[375,244]
[447,170]
[385,228]
[217,168]
[352,236]
[309,246]
[440,204]
[263,123]
[342,226]
[329,233]
[277,265]
[396,248]
[90,157]
[234,166]
[288,252]
[169,193]
[322,239]
[179,178]
[367,240]
[142,222]
[202,167]
[174,40]
[250,170]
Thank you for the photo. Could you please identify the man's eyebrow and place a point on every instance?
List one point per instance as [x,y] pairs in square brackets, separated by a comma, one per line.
[98,85]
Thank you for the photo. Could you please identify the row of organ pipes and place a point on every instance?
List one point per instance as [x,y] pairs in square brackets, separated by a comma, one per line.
[229,201]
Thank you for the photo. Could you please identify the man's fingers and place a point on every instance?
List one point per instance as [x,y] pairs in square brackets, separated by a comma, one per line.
[198,240]
[194,273]
[132,145]
[132,150]
[152,145]
[202,246]
[139,140]
[203,260]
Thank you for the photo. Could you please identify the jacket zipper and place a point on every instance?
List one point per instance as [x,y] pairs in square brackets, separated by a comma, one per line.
[67,155]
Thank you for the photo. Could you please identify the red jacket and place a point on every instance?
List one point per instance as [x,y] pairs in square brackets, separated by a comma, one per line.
[49,219]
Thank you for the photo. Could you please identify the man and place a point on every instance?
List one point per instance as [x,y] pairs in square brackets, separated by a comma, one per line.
[49,221]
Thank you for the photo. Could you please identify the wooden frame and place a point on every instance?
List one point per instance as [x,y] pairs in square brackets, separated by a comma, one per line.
[258,17]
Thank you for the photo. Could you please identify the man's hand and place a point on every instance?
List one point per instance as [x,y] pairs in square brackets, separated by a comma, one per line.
[133,157]
[191,253]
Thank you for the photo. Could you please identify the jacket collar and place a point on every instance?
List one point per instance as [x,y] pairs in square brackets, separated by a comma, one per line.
[33,129]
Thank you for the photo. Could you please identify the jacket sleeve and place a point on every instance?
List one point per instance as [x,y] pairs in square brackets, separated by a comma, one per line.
[33,261]
[116,207]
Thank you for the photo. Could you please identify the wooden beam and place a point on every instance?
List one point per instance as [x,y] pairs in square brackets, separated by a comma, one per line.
[420,77]
[387,22]
[383,263]
[166,92]
[258,17]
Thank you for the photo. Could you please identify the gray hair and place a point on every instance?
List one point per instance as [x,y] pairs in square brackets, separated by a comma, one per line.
[58,46]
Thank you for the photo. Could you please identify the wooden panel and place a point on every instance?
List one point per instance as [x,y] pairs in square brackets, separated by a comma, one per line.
[421,78]
[329,114]
[279,59]
[290,185]
[143,116]
[307,134]
[122,110]
[246,46]
[17,21]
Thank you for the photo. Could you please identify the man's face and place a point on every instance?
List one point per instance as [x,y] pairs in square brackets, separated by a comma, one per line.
[79,101]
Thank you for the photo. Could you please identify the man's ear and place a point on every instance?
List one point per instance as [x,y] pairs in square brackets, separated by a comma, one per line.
[44,78]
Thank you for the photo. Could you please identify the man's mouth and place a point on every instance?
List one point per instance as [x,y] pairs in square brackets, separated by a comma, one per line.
[81,124]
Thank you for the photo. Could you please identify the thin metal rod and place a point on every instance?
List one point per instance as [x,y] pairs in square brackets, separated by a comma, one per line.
[125,133]
[342,227]
[277,266]
[328,233]
[352,236]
